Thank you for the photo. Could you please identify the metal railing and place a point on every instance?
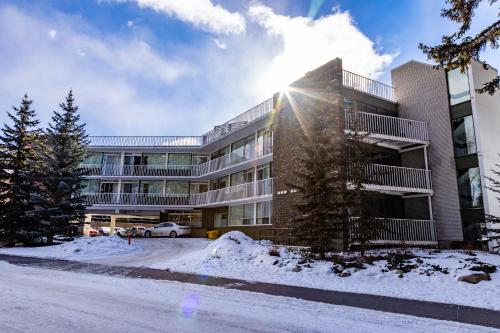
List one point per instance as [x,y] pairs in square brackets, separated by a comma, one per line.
[237,122]
[244,154]
[368,86]
[400,231]
[398,178]
[228,194]
[145,141]
[410,130]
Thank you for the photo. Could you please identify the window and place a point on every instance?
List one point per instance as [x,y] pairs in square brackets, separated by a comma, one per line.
[179,159]
[263,212]
[220,220]
[464,138]
[109,187]
[458,86]
[93,159]
[154,159]
[198,188]
[264,142]
[199,159]
[469,188]
[90,186]
[242,177]
[177,188]
[264,172]
[151,186]
[241,214]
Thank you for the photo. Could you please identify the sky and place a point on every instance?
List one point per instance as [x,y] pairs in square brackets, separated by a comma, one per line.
[169,67]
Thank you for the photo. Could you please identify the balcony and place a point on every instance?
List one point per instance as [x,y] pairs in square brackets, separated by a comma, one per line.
[262,189]
[402,231]
[398,180]
[368,86]
[237,157]
[389,131]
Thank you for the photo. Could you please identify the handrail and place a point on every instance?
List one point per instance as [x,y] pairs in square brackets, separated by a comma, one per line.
[367,85]
[399,177]
[233,193]
[414,130]
[243,154]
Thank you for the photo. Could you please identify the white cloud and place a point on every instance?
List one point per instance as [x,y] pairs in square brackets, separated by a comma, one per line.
[130,24]
[308,43]
[201,13]
[111,77]
[52,34]
[220,44]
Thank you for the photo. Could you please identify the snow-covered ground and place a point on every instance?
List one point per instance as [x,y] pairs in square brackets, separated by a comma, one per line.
[40,300]
[237,256]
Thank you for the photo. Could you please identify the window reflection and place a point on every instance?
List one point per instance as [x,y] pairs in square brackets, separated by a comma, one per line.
[458,86]
[469,188]
[464,138]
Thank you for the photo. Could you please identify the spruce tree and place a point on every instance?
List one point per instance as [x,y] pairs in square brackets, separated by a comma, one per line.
[458,49]
[59,199]
[360,155]
[322,181]
[17,160]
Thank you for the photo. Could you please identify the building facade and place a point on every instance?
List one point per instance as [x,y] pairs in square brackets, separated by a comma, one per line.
[240,174]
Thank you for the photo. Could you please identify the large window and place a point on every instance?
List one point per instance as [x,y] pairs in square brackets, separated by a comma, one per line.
[179,159]
[464,138]
[458,86]
[241,214]
[469,188]
[177,188]
[90,186]
[263,212]
[151,186]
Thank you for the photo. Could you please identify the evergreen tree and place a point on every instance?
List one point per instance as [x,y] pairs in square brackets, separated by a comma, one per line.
[322,179]
[59,199]
[17,161]
[457,50]
[494,233]
[360,155]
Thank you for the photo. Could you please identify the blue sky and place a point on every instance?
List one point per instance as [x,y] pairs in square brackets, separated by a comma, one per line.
[169,67]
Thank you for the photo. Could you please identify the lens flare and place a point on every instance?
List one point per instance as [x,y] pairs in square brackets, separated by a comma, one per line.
[190,305]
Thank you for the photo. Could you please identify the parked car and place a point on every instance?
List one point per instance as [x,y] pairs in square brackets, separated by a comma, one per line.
[169,229]
[104,231]
[93,232]
[122,232]
[137,231]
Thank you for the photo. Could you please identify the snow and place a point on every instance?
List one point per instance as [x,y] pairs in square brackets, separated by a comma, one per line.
[237,256]
[40,300]
[81,248]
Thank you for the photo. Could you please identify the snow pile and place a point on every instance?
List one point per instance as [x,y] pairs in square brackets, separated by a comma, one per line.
[80,248]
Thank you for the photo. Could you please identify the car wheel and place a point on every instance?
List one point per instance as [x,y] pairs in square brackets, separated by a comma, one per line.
[147,234]
[173,234]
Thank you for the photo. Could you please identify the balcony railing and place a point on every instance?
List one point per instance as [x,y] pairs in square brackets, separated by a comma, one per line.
[145,141]
[240,155]
[401,231]
[400,179]
[228,194]
[368,86]
[243,119]
[387,127]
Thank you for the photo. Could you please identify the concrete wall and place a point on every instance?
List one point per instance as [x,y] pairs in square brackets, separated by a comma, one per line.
[422,94]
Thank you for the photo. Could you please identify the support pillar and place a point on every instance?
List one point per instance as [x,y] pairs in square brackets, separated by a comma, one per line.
[112,225]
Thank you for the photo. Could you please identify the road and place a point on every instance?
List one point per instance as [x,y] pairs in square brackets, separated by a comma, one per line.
[41,300]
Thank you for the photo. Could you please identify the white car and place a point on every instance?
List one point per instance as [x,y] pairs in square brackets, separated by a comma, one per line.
[169,229]
[122,232]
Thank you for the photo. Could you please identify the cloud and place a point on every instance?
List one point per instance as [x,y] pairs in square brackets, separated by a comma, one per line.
[220,44]
[112,78]
[200,13]
[307,43]
[52,34]
[130,24]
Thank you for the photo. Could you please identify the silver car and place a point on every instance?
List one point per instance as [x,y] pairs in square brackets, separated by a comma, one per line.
[169,229]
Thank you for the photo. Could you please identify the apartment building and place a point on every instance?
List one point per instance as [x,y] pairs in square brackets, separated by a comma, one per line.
[436,134]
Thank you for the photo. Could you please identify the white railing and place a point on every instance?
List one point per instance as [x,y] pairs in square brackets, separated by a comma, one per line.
[243,119]
[368,86]
[244,154]
[228,194]
[145,141]
[398,178]
[400,231]
[415,131]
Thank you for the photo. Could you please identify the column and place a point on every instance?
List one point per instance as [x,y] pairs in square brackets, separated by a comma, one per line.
[112,224]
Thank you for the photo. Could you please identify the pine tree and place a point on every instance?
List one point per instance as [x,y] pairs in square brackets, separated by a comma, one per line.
[17,161]
[494,233]
[457,50]
[59,199]
[360,154]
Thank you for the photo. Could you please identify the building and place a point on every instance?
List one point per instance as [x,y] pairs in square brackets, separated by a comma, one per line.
[437,135]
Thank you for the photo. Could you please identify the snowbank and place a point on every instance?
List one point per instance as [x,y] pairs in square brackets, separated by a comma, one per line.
[238,256]
[80,248]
